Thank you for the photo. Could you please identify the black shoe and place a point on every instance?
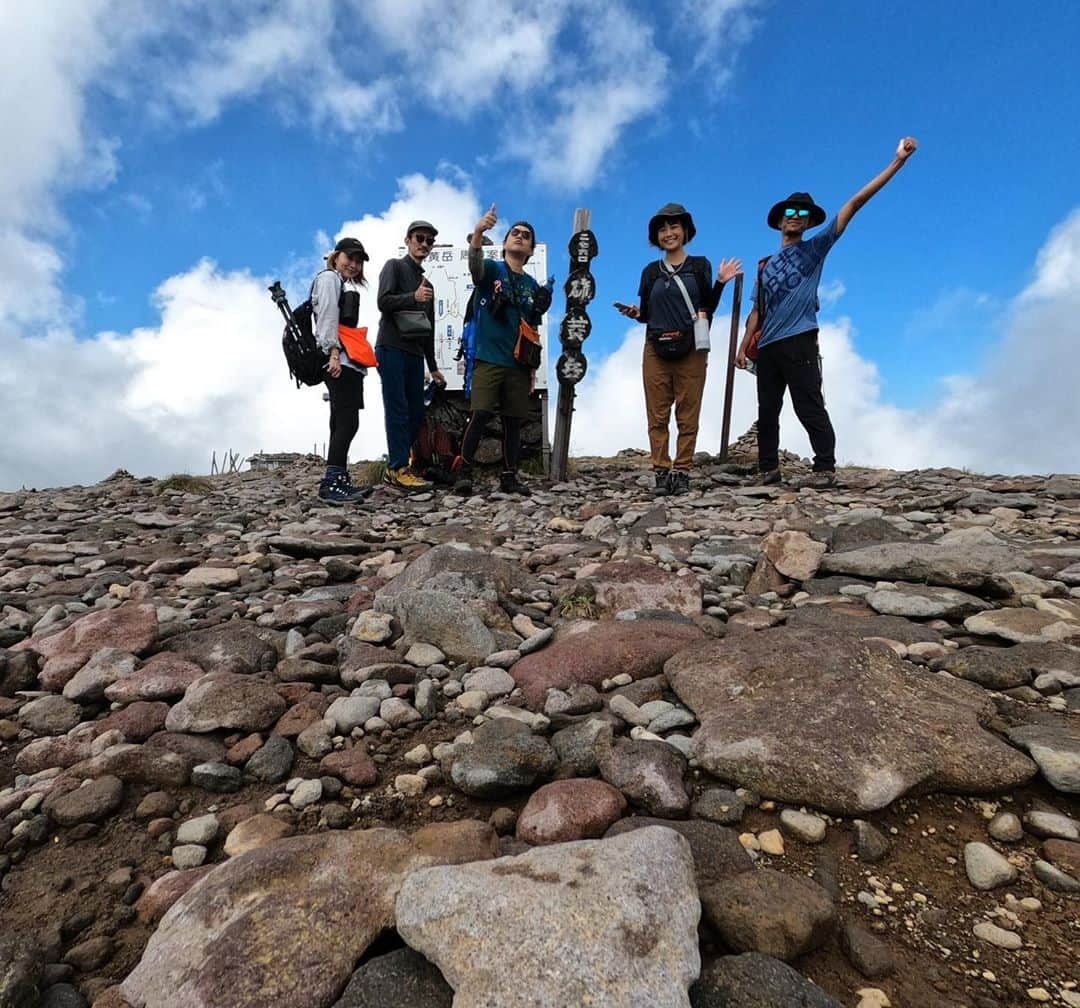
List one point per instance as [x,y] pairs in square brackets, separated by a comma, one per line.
[770,478]
[680,482]
[461,475]
[509,484]
[663,482]
[818,480]
[338,489]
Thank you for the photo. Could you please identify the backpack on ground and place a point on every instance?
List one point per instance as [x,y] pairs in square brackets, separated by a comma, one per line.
[307,362]
[433,450]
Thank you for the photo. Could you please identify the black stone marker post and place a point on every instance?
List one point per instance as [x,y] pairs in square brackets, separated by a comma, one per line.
[570,368]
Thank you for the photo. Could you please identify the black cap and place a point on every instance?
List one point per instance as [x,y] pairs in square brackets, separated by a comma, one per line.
[352,247]
[421,225]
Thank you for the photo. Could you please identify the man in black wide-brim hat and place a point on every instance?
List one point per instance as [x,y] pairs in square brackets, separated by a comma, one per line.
[783,324]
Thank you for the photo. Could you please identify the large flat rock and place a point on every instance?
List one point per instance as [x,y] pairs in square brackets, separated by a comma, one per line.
[637,647]
[968,566]
[571,924]
[281,925]
[132,627]
[837,723]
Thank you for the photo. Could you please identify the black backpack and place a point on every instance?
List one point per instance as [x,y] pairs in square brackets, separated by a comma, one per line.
[307,363]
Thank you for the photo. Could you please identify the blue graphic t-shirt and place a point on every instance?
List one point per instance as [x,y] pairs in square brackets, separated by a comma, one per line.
[497,337]
[791,279]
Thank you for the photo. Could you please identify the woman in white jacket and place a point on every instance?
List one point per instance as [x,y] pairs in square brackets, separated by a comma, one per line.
[335,300]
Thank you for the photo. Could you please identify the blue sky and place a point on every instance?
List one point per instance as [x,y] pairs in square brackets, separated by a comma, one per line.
[182,155]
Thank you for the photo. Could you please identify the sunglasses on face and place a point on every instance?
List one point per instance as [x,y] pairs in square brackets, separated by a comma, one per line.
[423,239]
[520,233]
[793,212]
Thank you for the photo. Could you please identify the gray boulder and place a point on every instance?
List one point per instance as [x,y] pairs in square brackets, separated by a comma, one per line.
[786,713]
[573,923]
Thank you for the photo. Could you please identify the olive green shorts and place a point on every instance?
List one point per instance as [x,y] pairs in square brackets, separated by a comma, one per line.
[496,388]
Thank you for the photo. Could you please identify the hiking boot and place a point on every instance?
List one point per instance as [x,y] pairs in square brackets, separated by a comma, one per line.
[338,489]
[402,479]
[770,478]
[509,484]
[680,482]
[663,483]
[822,480]
[461,477]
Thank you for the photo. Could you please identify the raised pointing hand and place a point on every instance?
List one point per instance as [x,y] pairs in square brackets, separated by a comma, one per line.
[489,220]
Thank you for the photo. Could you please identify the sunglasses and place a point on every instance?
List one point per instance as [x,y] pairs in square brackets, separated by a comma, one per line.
[422,239]
[516,232]
[793,212]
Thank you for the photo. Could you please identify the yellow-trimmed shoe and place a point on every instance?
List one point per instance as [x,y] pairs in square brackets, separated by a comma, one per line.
[402,479]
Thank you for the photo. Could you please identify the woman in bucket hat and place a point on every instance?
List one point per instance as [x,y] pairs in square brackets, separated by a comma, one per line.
[675,292]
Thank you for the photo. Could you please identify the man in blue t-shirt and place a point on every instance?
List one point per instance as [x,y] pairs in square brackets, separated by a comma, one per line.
[506,296]
[784,320]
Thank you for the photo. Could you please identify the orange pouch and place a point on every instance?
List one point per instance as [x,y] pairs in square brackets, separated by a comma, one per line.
[357,346]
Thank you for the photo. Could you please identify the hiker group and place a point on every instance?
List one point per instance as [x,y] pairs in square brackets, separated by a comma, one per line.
[677,297]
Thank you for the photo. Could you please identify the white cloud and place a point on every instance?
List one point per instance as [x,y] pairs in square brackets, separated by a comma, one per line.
[210,377]
[1018,414]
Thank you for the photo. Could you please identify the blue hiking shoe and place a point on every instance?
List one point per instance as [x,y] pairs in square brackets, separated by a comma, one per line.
[337,488]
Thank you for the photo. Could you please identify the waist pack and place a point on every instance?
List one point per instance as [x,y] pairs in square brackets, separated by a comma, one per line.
[527,348]
[670,344]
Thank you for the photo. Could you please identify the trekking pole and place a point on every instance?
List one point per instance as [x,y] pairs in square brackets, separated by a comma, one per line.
[729,384]
[277,294]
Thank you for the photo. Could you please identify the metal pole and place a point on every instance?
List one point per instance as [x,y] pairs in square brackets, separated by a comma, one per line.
[729,384]
[560,443]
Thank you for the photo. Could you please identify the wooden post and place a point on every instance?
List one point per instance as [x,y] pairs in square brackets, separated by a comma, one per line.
[729,384]
[560,443]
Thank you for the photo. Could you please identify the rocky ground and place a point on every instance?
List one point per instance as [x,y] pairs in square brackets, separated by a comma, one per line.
[750,747]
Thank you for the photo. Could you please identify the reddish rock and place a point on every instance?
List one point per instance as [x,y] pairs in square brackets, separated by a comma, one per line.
[224,700]
[458,842]
[159,827]
[255,832]
[62,751]
[231,647]
[243,750]
[199,748]
[579,809]
[295,692]
[281,925]
[164,676]
[92,802]
[162,893]
[156,804]
[637,584]
[138,721]
[57,672]
[132,627]
[301,716]
[137,764]
[636,647]
[1065,854]
[353,766]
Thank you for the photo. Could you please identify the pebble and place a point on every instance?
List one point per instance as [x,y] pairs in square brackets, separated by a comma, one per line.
[986,868]
[188,856]
[810,829]
[410,784]
[771,842]
[987,932]
[203,830]
[306,792]
[1006,827]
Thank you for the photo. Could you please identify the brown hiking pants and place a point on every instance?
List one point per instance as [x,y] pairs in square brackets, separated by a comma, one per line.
[679,383]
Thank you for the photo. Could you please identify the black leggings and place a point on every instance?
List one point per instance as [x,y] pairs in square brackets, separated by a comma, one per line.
[511,440]
[346,401]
